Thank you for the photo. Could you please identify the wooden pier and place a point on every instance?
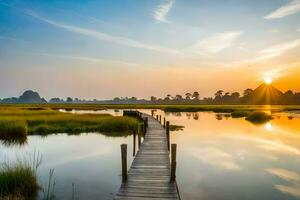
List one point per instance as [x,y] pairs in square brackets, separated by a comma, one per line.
[152,174]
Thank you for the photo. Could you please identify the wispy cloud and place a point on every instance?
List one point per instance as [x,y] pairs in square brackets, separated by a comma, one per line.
[293,178]
[103,36]
[279,49]
[286,10]
[216,42]
[217,158]
[270,52]
[293,190]
[90,59]
[284,174]
[162,10]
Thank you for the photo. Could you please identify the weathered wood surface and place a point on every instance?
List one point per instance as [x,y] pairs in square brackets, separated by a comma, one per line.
[149,174]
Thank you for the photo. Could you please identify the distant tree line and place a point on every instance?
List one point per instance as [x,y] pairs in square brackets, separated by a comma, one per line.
[264,94]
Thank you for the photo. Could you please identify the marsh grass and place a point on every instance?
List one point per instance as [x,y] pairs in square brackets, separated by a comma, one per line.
[166,107]
[18,122]
[258,117]
[176,127]
[49,192]
[19,180]
[11,129]
[240,113]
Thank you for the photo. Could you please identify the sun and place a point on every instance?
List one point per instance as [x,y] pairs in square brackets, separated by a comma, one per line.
[268,81]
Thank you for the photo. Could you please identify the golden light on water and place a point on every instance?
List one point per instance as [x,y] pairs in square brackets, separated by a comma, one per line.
[268,126]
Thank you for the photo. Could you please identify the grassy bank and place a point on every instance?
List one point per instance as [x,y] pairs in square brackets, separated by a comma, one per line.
[19,180]
[20,121]
[258,117]
[169,108]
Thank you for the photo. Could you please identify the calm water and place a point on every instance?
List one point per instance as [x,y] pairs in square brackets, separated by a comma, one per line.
[219,158]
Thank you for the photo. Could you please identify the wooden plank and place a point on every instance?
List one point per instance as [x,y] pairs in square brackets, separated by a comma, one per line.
[149,174]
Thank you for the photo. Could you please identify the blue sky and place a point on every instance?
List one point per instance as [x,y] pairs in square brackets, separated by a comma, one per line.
[101,49]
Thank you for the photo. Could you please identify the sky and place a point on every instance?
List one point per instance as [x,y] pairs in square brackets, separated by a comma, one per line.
[104,49]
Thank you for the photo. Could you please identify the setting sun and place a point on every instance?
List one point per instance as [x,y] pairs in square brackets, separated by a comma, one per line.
[268,81]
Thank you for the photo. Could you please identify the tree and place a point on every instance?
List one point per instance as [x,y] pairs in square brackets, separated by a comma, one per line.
[168,97]
[196,95]
[218,96]
[219,93]
[153,98]
[178,97]
[247,92]
[235,97]
[133,99]
[188,96]
[69,100]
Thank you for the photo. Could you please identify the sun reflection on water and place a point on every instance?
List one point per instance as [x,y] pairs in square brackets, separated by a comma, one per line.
[268,126]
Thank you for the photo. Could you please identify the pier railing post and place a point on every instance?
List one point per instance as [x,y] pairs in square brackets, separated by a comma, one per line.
[156,117]
[143,128]
[168,133]
[134,142]
[139,140]
[164,122]
[173,162]
[145,124]
[159,118]
[124,162]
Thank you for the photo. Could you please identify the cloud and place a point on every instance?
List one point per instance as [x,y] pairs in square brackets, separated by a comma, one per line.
[286,10]
[291,190]
[270,52]
[104,36]
[90,59]
[284,174]
[162,10]
[269,145]
[216,158]
[279,49]
[216,42]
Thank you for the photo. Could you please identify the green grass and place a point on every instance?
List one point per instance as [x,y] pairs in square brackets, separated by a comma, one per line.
[176,127]
[10,129]
[19,180]
[173,108]
[258,117]
[18,122]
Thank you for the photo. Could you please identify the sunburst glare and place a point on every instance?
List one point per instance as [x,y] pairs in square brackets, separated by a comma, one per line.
[268,81]
[268,126]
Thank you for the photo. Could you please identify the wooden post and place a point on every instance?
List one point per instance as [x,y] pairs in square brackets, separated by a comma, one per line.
[173,162]
[124,162]
[164,122]
[152,113]
[143,128]
[168,133]
[159,118]
[156,117]
[134,141]
[145,124]
[139,140]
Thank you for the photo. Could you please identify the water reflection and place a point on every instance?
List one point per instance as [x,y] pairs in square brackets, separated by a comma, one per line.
[13,141]
[268,126]
[218,159]
[213,150]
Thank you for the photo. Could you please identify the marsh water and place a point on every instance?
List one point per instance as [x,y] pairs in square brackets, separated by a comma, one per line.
[218,158]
